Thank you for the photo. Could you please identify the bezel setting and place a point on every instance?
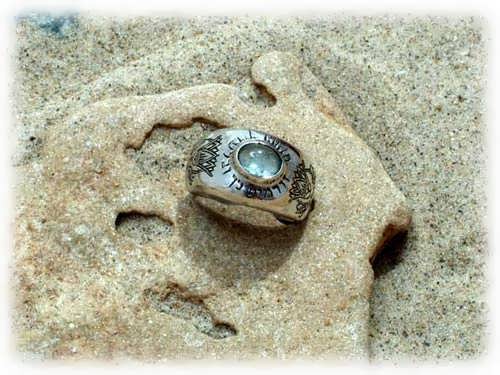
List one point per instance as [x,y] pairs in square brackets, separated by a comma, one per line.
[260,181]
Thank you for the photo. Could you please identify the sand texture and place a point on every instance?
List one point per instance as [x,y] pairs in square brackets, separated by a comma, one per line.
[213,287]
[107,256]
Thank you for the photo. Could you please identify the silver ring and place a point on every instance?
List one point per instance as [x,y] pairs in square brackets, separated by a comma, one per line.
[252,168]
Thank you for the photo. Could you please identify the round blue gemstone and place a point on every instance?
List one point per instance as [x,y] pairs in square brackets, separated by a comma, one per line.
[259,160]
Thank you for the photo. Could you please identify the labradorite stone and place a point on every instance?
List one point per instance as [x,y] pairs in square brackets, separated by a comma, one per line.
[259,160]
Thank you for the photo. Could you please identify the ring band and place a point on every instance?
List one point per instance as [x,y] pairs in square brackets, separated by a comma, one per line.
[252,168]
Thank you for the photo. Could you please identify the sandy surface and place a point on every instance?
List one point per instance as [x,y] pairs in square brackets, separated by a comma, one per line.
[411,87]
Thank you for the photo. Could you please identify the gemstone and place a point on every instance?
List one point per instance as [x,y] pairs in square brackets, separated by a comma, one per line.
[259,160]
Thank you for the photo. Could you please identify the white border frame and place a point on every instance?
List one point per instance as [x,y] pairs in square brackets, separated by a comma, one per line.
[490,363]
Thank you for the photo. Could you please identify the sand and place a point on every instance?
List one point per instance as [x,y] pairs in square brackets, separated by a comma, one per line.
[412,88]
